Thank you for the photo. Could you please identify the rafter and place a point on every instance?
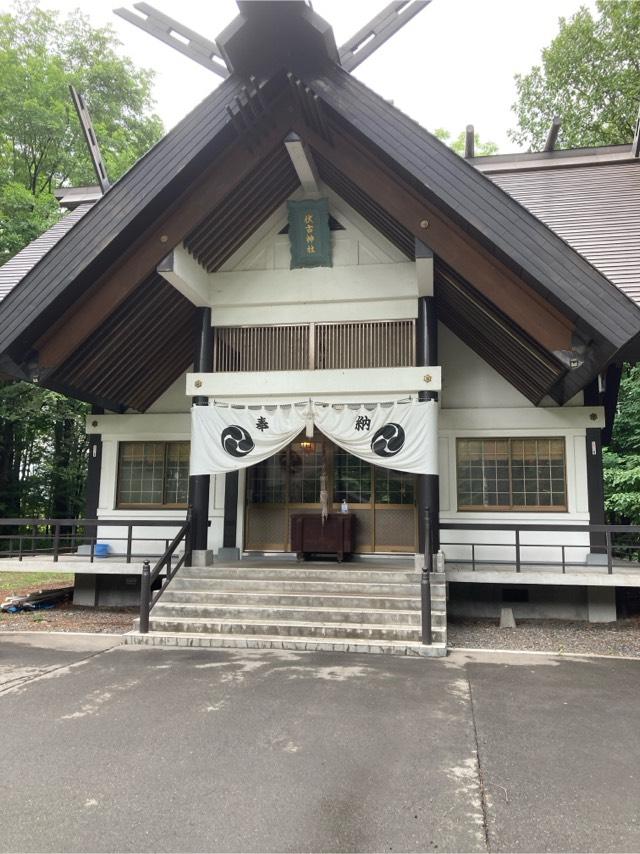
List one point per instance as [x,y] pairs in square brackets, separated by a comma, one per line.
[177,36]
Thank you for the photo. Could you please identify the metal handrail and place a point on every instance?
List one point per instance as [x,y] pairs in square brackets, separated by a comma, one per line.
[61,543]
[607,548]
[149,576]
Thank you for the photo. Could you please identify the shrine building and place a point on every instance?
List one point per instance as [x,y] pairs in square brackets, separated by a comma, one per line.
[308,320]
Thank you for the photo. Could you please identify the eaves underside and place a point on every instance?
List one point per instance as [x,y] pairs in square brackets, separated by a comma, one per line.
[127,212]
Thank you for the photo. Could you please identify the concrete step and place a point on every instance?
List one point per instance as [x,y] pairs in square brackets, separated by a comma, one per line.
[292,628]
[252,598]
[378,616]
[300,643]
[279,585]
[302,573]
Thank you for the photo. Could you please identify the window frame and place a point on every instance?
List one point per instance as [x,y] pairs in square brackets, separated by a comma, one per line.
[512,508]
[124,505]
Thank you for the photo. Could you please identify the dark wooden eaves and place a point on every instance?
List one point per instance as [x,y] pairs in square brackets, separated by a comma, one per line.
[106,232]
[523,243]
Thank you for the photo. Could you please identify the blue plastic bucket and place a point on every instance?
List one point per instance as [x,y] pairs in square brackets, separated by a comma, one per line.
[101,550]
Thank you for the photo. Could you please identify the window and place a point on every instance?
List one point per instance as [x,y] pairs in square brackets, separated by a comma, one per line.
[511,474]
[153,474]
[352,478]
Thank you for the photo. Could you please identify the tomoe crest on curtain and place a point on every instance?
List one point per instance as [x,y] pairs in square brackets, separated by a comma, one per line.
[400,435]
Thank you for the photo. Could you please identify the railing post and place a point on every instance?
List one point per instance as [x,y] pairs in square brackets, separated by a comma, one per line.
[425,581]
[517,532]
[145,596]
[129,539]
[56,542]
[607,537]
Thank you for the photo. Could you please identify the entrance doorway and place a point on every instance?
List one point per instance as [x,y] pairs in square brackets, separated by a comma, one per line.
[381,500]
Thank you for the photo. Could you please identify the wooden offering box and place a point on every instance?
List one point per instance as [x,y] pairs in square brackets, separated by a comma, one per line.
[310,536]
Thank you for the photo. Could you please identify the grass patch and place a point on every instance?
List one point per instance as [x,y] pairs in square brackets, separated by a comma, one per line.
[12,581]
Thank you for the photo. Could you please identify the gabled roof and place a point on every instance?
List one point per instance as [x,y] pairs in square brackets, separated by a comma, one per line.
[507,228]
[23,262]
[127,208]
[217,175]
[594,207]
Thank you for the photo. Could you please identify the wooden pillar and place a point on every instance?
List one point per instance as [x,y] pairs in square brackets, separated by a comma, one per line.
[94,467]
[595,473]
[199,484]
[428,485]
[230,530]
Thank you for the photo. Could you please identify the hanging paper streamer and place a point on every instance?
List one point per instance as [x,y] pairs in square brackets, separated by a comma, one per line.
[228,438]
[401,436]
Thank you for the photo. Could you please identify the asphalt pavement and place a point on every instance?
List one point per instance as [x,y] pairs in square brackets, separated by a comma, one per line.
[115,748]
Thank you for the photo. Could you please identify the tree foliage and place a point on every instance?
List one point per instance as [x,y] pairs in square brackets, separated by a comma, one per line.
[43,446]
[589,77]
[482,149]
[622,457]
[41,142]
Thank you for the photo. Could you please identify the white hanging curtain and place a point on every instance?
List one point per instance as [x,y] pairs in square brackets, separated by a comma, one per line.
[400,435]
[228,438]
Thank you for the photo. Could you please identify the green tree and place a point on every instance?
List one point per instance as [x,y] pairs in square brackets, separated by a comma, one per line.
[43,446]
[482,149]
[41,144]
[622,457]
[589,77]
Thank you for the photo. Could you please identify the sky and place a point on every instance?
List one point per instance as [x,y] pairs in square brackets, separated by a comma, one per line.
[452,65]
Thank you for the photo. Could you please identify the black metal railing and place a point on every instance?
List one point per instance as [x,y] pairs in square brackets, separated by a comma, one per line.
[20,538]
[619,546]
[150,576]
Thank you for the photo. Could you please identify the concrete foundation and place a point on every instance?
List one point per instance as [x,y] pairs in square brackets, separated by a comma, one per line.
[202,557]
[106,590]
[228,553]
[534,602]
[601,604]
[595,604]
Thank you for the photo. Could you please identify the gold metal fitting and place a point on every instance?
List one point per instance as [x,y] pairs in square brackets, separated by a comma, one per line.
[198,383]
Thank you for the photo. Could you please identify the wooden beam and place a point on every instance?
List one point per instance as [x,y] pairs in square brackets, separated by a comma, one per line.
[518,300]
[177,36]
[302,161]
[376,32]
[90,138]
[552,136]
[635,147]
[469,142]
[190,208]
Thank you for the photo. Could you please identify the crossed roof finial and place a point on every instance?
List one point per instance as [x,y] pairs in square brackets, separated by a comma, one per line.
[210,55]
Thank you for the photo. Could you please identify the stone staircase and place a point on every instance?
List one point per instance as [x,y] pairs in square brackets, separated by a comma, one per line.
[334,607]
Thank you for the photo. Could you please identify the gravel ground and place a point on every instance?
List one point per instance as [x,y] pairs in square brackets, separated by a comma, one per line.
[564,636]
[70,618]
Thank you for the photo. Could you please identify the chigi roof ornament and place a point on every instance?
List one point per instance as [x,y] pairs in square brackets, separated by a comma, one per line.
[267,33]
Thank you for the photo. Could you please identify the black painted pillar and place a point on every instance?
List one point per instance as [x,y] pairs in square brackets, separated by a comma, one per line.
[199,483]
[94,467]
[595,473]
[428,485]
[229,534]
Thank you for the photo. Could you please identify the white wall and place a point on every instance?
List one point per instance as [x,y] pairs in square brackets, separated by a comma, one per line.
[370,279]
[477,402]
[154,427]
